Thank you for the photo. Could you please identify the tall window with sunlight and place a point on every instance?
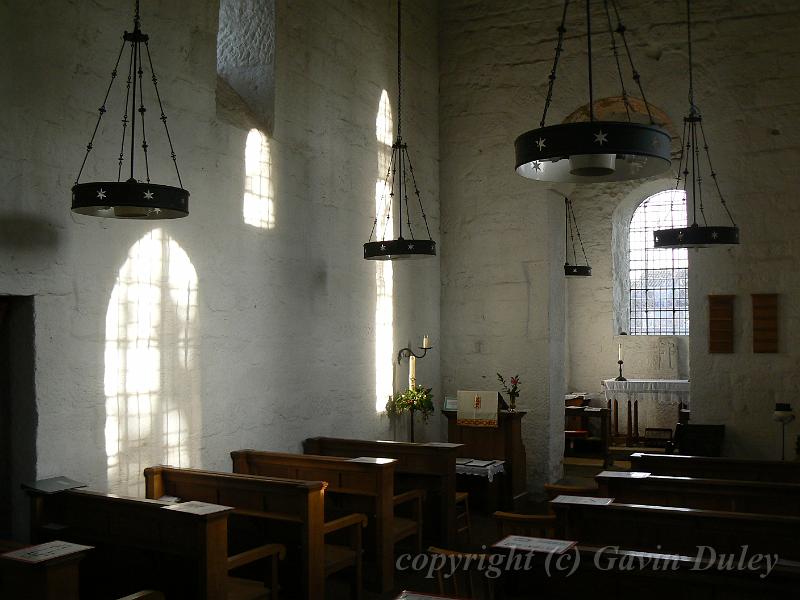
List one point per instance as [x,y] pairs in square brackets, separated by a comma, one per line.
[384,276]
[152,397]
[659,303]
[259,210]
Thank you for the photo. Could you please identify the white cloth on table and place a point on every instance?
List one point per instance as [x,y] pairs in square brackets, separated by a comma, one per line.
[476,467]
[658,399]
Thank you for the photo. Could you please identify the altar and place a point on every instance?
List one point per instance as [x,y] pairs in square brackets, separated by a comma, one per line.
[645,404]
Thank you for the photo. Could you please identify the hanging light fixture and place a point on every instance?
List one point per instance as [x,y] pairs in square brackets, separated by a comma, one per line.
[594,151]
[695,235]
[131,199]
[399,172]
[571,229]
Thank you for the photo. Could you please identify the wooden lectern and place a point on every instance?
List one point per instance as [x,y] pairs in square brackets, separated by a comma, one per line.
[503,442]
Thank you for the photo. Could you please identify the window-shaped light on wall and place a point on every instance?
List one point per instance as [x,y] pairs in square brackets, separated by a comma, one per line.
[151,387]
[659,301]
[258,209]
[384,275]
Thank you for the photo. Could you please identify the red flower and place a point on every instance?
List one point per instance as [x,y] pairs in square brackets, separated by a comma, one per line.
[515,380]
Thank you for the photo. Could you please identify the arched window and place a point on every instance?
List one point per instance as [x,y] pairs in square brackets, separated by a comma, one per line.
[258,208]
[153,412]
[384,275]
[659,302]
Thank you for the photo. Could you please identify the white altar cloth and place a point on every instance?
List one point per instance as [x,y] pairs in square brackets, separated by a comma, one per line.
[658,399]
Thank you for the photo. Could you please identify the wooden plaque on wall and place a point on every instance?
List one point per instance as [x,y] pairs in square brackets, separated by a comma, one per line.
[720,324]
[765,323]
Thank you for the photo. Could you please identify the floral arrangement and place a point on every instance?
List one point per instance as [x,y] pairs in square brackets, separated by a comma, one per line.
[513,389]
[418,399]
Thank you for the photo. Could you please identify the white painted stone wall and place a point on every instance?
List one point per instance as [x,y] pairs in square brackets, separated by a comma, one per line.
[502,255]
[282,341]
[495,58]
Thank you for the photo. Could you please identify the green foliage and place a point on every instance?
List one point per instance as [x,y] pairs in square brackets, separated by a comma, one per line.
[418,399]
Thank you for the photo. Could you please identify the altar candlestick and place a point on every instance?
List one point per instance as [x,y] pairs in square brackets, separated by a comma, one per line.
[412,372]
[426,343]
[619,352]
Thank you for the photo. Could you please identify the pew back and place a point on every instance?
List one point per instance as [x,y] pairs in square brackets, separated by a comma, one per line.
[711,467]
[676,530]
[711,494]
[428,466]
[353,486]
[138,543]
[280,504]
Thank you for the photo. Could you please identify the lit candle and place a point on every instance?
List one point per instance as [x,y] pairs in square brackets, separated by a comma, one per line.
[412,372]
[426,343]
[619,352]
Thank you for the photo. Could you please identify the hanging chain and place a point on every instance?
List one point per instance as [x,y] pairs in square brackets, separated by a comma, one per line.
[393,170]
[559,49]
[636,77]
[101,111]
[419,198]
[589,57]
[692,106]
[578,231]
[680,159]
[625,100]
[141,111]
[163,116]
[714,175]
[399,70]
[121,158]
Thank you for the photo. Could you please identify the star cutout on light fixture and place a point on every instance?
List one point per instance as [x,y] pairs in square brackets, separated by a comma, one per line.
[537,166]
[541,143]
[101,193]
[156,211]
[600,137]
[383,247]
[714,235]
[680,235]
[148,195]
[654,142]
[411,246]
[574,269]
[657,238]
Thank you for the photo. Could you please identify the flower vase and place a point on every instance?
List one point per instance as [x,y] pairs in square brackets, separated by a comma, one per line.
[512,402]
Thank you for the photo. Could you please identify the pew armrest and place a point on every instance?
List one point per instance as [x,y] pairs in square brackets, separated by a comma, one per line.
[418,495]
[248,556]
[344,522]
[145,595]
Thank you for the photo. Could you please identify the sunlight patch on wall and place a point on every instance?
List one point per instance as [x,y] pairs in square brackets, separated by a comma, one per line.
[259,209]
[384,276]
[153,414]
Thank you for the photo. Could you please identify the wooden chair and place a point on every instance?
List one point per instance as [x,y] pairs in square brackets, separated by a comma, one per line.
[542,526]
[468,580]
[462,518]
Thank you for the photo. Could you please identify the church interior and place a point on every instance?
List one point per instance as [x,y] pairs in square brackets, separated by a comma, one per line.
[476,299]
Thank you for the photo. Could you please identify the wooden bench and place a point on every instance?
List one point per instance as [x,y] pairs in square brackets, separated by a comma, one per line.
[363,485]
[142,543]
[676,530]
[711,467]
[286,510]
[605,572]
[710,494]
[431,467]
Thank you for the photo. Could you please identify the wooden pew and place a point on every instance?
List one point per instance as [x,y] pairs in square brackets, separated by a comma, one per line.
[676,530]
[141,543]
[762,497]
[354,485]
[48,571]
[605,572]
[431,467]
[284,507]
[711,467]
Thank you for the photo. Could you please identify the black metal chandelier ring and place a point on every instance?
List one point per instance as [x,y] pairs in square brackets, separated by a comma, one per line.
[593,151]
[130,200]
[696,236]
